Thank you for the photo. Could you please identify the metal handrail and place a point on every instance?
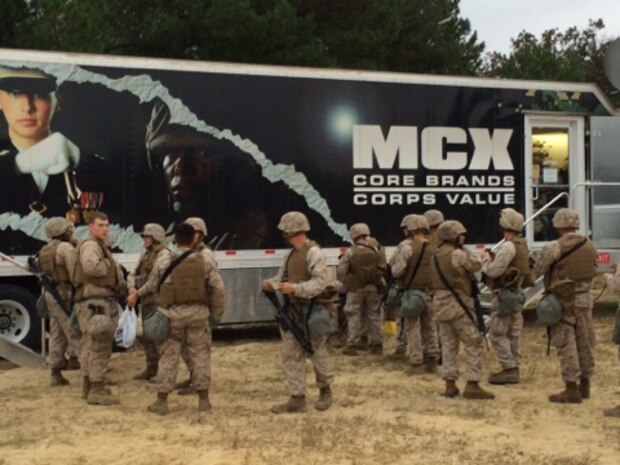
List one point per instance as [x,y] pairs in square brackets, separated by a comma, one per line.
[542,209]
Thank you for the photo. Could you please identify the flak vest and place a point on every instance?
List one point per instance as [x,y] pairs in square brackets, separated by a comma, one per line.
[422,279]
[296,272]
[47,261]
[187,282]
[80,278]
[458,280]
[364,266]
[520,262]
[580,265]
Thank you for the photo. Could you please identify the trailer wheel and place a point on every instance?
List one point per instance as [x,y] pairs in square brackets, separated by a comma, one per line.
[19,321]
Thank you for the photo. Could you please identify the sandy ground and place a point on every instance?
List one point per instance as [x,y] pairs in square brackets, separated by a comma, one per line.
[380,415]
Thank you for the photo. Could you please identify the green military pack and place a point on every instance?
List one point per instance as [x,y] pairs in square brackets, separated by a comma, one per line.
[318,319]
[412,304]
[549,310]
[42,308]
[157,327]
[510,301]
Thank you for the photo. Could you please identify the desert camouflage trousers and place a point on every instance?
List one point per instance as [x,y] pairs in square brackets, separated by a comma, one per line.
[294,363]
[150,348]
[364,316]
[191,339]
[421,336]
[574,340]
[505,337]
[95,354]
[451,334]
[64,340]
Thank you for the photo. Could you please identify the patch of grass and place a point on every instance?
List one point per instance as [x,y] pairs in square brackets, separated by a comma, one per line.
[16,442]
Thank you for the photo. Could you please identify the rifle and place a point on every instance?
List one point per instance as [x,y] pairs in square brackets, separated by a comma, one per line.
[283,318]
[475,292]
[45,280]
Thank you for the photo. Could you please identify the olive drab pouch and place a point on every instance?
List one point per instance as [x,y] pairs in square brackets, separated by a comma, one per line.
[157,327]
[42,308]
[318,319]
[413,303]
[510,301]
[616,334]
[549,311]
[393,299]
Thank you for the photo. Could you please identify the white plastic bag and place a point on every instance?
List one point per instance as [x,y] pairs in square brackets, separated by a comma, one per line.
[127,327]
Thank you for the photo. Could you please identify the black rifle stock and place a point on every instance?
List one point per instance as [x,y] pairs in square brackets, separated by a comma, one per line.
[475,292]
[284,319]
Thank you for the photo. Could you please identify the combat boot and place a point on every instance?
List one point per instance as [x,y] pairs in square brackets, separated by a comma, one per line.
[413,370]
[98,395]
[430,365]
[349,350]
[584,388]
[72,364]
[474,391]
[295,404]
[57,378]
[612,412]
[204,405]
[506,376]
[325,399]
[570,395]
[148,373]
[160,406]
[363,344]
[451,389]
[376,349]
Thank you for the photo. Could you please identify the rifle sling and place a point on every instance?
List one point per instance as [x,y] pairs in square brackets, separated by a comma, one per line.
[176,262]
[454,293]
[566,254]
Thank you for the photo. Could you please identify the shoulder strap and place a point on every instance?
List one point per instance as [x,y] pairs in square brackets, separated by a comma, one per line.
[417,265]
[173,265]
[451,289]
[567,253]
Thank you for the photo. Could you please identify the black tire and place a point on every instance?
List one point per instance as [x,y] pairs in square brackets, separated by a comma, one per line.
[19,320]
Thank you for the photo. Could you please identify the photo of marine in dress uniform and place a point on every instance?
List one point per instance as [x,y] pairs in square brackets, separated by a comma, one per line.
[41,170]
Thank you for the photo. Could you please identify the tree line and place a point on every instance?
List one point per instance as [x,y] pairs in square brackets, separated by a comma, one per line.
[415,36]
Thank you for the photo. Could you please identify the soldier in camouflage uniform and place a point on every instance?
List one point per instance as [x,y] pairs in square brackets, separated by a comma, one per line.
[184,299]
[361,270]
[98,283]
[457,324]
[613,281]
[141,288]
[56,259]
[215,296]
[303,276]
[434,218]
[421,330]
[569,264]
[507,269]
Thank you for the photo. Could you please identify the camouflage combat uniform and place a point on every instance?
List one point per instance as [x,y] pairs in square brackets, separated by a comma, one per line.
[306,269]
[57,258]
[421,331]
[360,269]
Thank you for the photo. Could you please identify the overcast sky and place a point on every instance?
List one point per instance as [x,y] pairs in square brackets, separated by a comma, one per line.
[498,21]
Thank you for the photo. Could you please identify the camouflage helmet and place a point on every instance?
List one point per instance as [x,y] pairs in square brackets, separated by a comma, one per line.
[511,219]
[403,222]
[57,226]
[415,222]
[101,328]
[434,217]
[155,231]
[450,230]
[359,229]
[198,224]
[293,222]
[566,218]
